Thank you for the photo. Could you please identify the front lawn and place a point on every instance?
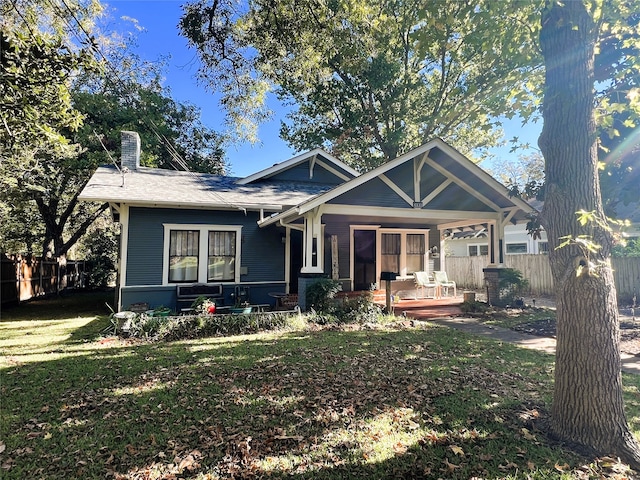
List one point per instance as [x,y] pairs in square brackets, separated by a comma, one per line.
[403,402]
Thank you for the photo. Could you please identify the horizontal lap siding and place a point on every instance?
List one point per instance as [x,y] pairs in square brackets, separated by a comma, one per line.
[144,247]
[262,252]
[262,249]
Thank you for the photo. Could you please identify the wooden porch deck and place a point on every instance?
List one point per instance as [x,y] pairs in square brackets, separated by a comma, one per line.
[423,308]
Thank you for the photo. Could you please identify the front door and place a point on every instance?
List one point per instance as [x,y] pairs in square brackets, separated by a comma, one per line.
[364,259]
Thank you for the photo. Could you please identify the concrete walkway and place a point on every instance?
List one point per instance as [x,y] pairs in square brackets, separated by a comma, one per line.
[630,363]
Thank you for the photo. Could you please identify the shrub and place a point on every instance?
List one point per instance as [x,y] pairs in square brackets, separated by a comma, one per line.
[321,294]
[630,248]
[198,326]
[511,286]
[361,309]
[146,326]
[474,307]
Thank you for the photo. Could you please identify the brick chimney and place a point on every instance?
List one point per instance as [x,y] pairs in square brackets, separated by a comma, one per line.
[130,150]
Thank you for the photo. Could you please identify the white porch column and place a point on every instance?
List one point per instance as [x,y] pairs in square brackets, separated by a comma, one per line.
[313,243]
[122,260]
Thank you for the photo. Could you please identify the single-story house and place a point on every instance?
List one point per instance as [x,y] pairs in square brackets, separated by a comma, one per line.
[279,229]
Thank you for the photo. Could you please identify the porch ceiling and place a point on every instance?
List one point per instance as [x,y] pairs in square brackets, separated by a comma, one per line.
[403,221]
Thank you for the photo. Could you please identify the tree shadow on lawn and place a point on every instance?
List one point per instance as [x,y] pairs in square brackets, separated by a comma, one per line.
[67,304]
[327,404]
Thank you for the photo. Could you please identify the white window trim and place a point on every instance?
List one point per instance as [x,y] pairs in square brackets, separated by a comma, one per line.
[202,249]
[538,242]
[477,245]
[403,248]
[516,243]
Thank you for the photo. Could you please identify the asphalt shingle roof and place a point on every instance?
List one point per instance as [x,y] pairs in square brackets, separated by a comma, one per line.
[154,186]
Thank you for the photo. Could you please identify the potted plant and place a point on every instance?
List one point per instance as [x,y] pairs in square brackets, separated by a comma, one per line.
[241,307]
[203,305]
[161,311]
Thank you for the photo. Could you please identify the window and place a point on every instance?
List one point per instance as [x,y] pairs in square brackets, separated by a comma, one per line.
[517,248]
[390,251]
[183,255]
[543,247]
[402,251]
[415,252]
[201,253]
[476,250]
[222,256]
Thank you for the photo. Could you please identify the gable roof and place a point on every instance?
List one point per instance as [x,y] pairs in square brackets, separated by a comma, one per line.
[315,157]
[160,187]
[283,185]
[456,171]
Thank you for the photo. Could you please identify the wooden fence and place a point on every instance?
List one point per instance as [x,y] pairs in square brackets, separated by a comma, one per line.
[26,277]
[467,273]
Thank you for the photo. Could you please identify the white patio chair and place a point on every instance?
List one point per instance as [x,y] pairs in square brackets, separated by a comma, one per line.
[423,280]
[443,281]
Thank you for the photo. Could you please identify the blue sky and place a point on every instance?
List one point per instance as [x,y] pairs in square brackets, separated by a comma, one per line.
[159,19]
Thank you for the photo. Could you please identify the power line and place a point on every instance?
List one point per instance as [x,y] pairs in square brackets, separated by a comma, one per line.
[175,155]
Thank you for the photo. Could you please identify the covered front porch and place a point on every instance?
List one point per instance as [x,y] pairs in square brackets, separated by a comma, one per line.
[394,219]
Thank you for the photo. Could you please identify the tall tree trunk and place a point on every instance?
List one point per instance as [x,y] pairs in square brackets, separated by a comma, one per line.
[587,405]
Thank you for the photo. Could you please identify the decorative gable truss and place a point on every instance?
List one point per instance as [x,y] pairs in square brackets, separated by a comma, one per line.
[431,185]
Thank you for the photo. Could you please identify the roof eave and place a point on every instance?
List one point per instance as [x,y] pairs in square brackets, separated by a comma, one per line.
[272,170]
[198,206]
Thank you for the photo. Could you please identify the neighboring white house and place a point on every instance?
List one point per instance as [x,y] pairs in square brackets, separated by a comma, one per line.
[476,242]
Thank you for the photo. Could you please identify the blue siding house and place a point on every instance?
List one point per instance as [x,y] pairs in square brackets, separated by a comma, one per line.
[275,231]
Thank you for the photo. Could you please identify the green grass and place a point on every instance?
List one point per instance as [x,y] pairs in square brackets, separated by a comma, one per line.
[424,402]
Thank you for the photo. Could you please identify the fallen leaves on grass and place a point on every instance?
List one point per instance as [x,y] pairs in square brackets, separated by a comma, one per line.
[331,401]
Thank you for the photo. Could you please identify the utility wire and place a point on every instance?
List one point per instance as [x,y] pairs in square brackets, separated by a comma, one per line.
[122,84]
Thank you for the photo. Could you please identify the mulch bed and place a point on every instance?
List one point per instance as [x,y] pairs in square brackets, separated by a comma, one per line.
[629,331]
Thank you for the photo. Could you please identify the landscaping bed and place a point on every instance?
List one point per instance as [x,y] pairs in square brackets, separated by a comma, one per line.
[541,321]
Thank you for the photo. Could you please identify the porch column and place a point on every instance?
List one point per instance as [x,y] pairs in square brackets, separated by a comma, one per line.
[313,243]
[441,253]
[496,243]
[496,260]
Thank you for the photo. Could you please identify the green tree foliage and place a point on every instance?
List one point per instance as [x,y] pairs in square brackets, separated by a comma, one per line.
[617,114]
[371,80]
[37,61]
[617,74]
[99,249]
[130,96]
[38,58]
[43,175]
[630,248]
